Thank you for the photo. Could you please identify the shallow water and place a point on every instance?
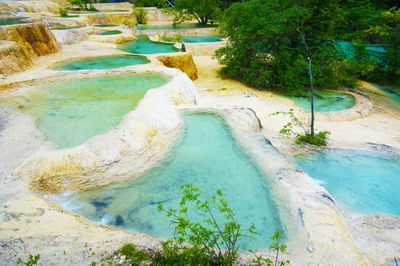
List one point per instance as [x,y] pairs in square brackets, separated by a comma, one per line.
[208,157]
[12,21]
[171,27]
[102,62]
[376,51]
[109,32]
[144,46]
[324,101]
[201,38]
[365,182]
[105,25]
[392,92]
[72,111]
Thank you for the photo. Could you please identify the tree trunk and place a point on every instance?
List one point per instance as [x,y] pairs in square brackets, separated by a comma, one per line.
[312,96]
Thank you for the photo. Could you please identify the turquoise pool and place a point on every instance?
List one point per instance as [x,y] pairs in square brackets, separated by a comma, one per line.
[208,156]
[109,32]
[12,20]
[102,62]
[376,51]
[392,92]
[144,46]
[365,182]
[72,111]
[201,38]
[172,27]
[324,101]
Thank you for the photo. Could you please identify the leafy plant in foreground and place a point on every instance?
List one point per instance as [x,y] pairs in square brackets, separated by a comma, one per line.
[33,260]
[277,246]
[218,241]
[318,139]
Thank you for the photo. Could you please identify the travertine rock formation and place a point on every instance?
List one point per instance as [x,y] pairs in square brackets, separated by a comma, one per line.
[13,58]
[155,15]
[35,38]
[70,36]
[183,62]
[34,6]
[127,19]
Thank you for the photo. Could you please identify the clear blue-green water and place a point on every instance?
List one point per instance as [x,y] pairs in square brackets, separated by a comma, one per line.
[72,111]
[102,62]
[105,25]
[12,20]
[144,46]
[109,32]
[171,27]
[361,181]
[392,92]
[201,38]
[376,51]
[208,156]
[324,101]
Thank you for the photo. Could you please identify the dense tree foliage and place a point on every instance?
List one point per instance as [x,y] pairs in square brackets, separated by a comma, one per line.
[201,10]
[151,3]
[270,43]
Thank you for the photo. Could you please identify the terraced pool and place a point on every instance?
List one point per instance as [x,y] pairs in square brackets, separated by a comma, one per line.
[201,38]
[70,112]
[144,46]
[324,101]
[102,62]
[208,156]
[362,181]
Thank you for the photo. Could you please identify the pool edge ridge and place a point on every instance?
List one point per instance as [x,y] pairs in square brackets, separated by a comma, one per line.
[306,201]
[128,149]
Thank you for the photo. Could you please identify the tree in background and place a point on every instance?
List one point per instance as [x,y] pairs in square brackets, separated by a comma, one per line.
[201,10]
[266,48]
[151,3]
[387,31]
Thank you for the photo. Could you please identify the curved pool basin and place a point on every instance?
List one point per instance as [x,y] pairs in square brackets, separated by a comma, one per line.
[392,92]
[12,20]
[143,45]
[201,38]
[102,62]
[324,101]
[109,32]
[362,181]
[207,156]
[173,27]
[69,112]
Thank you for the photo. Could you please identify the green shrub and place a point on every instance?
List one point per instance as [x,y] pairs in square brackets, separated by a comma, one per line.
[220,246]
[33,260]
[174,38]
[318,139]
[151,3]
[64,12]
[132,254]
[141,14]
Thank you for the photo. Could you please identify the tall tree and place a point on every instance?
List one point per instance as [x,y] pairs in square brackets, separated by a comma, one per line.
[201,10]
[283,44]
